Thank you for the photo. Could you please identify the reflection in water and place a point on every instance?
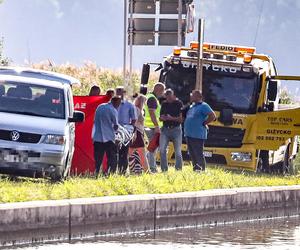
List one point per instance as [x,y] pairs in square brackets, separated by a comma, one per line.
[272,234]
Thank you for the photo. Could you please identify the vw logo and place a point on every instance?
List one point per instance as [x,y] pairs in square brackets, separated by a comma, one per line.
[14,135]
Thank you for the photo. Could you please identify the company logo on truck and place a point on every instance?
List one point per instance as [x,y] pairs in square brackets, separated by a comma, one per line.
[279,132]
[214,67]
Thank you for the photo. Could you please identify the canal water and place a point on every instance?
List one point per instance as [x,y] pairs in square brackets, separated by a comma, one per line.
[270,234]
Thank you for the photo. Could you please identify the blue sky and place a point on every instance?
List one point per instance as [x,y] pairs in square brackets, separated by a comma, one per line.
[77,30]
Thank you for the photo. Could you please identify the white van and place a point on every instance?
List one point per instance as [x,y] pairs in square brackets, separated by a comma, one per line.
[37,129]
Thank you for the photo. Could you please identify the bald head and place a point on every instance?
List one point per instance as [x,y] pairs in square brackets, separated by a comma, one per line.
[116,101]
[159,89]
[120,91]
[196,96]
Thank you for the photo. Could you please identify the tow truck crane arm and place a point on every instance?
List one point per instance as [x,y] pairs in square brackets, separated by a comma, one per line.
[289,78]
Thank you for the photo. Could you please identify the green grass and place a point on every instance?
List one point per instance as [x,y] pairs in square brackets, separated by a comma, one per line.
[23,189]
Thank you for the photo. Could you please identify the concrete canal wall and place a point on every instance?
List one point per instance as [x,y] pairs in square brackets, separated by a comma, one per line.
[43,221]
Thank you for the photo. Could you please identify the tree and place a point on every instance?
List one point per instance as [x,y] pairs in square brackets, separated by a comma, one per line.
[4,61]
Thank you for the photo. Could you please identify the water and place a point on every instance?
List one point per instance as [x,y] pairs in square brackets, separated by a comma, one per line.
[271,234]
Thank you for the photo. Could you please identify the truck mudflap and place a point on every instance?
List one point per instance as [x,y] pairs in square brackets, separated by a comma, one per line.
[270,130]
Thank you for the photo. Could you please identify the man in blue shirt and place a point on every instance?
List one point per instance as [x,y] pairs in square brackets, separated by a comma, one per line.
[198,117]
[103,135]
[126,116]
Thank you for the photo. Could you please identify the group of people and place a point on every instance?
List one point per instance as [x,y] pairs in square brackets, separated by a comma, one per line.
[158,114]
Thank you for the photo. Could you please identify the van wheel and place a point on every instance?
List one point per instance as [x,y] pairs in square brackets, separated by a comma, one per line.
[61,174]
[287,165]
[57,176]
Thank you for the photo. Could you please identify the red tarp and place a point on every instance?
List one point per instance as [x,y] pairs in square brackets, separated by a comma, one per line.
[83,159]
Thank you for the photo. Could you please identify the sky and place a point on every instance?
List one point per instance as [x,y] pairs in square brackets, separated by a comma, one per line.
[78,30]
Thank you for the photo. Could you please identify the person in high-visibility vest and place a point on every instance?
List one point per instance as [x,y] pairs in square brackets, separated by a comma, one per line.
[152,122]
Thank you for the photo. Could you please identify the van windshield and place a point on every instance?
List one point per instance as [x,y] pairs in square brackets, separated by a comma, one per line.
[31,99]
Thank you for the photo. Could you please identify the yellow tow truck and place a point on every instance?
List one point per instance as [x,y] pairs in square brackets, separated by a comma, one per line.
[251,131]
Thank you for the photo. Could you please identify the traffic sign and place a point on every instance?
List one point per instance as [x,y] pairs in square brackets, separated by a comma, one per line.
[143,6]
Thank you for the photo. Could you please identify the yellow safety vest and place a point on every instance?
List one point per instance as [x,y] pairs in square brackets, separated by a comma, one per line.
[148,122]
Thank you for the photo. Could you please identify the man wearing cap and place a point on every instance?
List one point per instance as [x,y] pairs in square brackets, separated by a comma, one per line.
[126,116]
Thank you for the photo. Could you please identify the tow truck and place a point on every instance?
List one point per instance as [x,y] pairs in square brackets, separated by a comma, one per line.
[251,132]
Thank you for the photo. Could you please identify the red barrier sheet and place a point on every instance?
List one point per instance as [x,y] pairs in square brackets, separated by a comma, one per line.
[83,159]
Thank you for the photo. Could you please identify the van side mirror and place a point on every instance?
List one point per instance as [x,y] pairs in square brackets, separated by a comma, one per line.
[226,117]
[272,90]
[145,74]
[78,116]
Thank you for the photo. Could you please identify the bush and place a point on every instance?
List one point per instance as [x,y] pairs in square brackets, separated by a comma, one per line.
[4,61]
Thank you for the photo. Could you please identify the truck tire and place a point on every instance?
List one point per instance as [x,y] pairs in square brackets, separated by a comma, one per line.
[287,165]
[263,162]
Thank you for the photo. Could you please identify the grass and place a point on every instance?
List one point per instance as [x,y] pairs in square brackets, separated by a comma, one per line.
[23,189]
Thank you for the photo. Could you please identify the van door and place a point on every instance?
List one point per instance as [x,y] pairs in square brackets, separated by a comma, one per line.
[71,124]
[271,130]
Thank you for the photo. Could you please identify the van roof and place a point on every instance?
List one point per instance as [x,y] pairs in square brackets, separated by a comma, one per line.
[21,79]
[39,74]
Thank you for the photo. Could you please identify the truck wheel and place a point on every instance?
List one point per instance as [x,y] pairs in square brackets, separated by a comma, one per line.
[259,166]
[287,165]
[263,162]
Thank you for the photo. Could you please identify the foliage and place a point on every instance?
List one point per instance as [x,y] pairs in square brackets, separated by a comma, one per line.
[89,74]
[285,97]
[4,61]
[23,189]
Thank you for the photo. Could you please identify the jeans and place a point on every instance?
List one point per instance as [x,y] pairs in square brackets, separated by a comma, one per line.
[110,149]
[174,135]
[195,147]
[151,156]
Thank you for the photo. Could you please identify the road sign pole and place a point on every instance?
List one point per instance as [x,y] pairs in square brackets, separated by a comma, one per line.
[125,41]
[129,83]
[179,23]
[199,76]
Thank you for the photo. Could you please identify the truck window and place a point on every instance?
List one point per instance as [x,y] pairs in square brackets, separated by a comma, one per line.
[238,91]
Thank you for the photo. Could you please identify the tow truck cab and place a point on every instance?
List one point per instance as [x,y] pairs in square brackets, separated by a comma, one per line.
[250,131]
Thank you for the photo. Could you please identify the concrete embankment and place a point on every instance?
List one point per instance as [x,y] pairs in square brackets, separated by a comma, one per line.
[43,221]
